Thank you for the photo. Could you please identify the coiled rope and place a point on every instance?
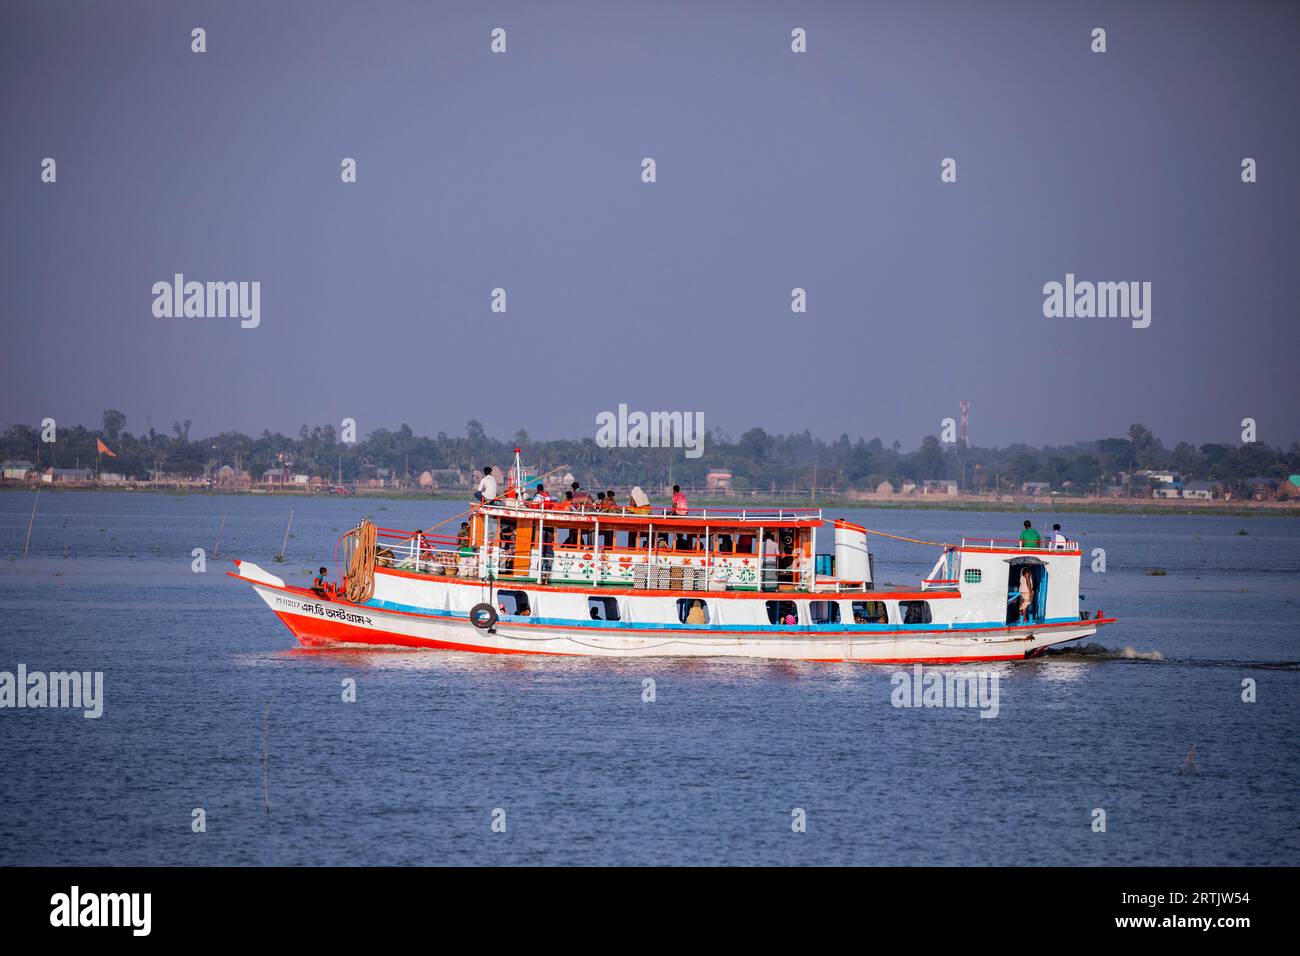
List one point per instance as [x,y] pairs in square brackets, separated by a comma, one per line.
[361,563]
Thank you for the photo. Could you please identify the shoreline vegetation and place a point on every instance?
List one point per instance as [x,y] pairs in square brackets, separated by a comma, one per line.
[1059,504]
[1121,475]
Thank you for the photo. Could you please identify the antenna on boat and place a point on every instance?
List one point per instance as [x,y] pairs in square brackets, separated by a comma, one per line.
[516,479]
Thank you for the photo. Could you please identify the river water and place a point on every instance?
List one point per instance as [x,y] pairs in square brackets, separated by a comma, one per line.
[575,767]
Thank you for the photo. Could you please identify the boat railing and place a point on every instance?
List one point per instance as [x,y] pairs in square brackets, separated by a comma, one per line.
[582,561]
[939,584]
[658,512]
[1014,544]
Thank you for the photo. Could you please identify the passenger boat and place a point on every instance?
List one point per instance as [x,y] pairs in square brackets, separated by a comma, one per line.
[528,578]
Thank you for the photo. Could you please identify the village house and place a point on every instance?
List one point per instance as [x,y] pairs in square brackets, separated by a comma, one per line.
[66,476]
[1199,489]
[940,487]
[718,481]
[16,469]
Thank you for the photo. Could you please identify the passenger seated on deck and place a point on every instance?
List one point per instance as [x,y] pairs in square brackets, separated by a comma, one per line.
[638,502]
[1030,538]
[541,499]
[679,501]
[1059,541]
[321,585]
[487,486]
[611,504]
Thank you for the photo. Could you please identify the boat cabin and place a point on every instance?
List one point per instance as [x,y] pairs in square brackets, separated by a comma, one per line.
[705,549]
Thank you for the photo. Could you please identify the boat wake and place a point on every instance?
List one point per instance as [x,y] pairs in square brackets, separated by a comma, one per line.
[1099,652]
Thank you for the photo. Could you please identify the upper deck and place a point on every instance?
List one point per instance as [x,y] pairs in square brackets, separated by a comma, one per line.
[626,515]
[1014,546]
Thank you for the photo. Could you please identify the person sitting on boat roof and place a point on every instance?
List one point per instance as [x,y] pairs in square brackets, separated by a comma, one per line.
[580,498]
[609,499]
[679,501]
[542,498]
[1030,538]
[637,501]
[487,486]
[567,503]
[1059,541]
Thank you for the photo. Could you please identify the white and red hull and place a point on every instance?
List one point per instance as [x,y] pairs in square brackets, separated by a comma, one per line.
[319,622]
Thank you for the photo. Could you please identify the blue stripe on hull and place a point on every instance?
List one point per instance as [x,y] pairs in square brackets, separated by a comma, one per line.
[841,628]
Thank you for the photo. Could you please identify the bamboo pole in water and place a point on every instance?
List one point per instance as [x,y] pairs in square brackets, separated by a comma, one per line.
[266,761]
[286,535]
[30,522]
[216,547]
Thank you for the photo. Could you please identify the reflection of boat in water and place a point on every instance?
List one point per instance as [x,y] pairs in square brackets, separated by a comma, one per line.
[627,582]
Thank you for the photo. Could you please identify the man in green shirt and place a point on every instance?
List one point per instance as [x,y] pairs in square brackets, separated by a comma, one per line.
[1029,538]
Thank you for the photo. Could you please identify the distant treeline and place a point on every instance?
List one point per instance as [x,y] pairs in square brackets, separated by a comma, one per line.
[758,461]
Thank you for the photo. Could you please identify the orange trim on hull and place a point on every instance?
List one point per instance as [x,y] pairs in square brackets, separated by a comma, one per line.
[319,633]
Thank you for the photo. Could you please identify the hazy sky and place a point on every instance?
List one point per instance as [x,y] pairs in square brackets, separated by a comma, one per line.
[775,170]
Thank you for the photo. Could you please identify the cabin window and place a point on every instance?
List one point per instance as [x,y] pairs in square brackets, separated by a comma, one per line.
[513,602]
[782,612]
[745,544]
[723,543]
[824,612]
[603,608]
[870,612]
[692,611]
[915,612]
[973,576]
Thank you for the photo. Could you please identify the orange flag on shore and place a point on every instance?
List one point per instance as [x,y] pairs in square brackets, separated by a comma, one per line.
[104,449]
